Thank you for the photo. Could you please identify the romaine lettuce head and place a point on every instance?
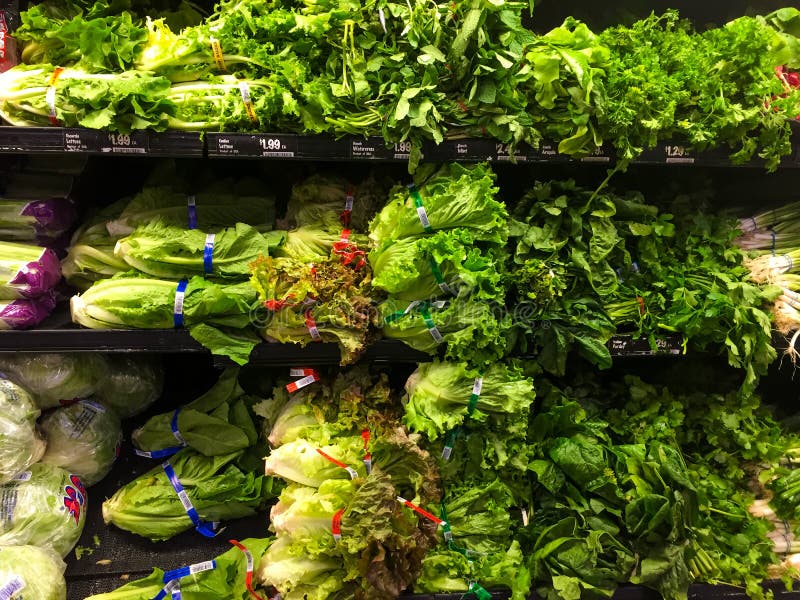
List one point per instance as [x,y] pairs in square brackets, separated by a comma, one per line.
[230,575]
[83,438]
[131,384]
[54,379]
[217,486]
[20,443]
[44,506]
[171,252]
[36,573]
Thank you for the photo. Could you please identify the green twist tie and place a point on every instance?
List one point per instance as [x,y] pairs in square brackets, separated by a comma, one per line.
[473,402]
[437,275]
[395,316]
[449,444]
[421,212]
[478,591]
[426,315]
[476,394]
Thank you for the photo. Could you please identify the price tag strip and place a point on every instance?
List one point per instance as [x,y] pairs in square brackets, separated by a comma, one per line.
[418,204]
[219,57]
[248,580]
[309,377]
[336,525]
[171,588]
[244,89]
[350,470]
[204,528]
[311,324]
[166,452]
[180,294]
[50,96]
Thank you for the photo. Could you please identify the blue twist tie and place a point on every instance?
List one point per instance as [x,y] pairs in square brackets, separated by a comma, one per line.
[208,254]
[190,202]
[166,452]
[202,527]
[178,307]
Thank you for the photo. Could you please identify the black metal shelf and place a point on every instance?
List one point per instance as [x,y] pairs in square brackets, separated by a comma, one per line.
[286,146]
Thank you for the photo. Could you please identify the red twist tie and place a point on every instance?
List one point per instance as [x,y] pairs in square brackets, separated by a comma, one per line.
[249,577]
[338,463]
[420,511]
[336,524]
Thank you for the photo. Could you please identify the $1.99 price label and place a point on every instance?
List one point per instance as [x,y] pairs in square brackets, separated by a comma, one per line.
[124,143]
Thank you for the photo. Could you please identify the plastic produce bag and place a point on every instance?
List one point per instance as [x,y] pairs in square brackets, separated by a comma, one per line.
[20,443]
[24,313]
[131,384]
[83,438]
[31,572]
[56,379]
[44,506]
[27,271]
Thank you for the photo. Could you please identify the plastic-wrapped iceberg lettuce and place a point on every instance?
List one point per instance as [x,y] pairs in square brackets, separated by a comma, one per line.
[131,384]
[83,438]
[31,572]
[43,506]
[20,444]
[27,271]
[55,379]
[23,313]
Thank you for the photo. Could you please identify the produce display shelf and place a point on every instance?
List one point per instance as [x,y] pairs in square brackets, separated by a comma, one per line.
[286,146]
[47,140]
[58,334]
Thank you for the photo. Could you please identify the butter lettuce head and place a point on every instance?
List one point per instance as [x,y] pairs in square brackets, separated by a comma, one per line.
[20,443]
[38,572]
